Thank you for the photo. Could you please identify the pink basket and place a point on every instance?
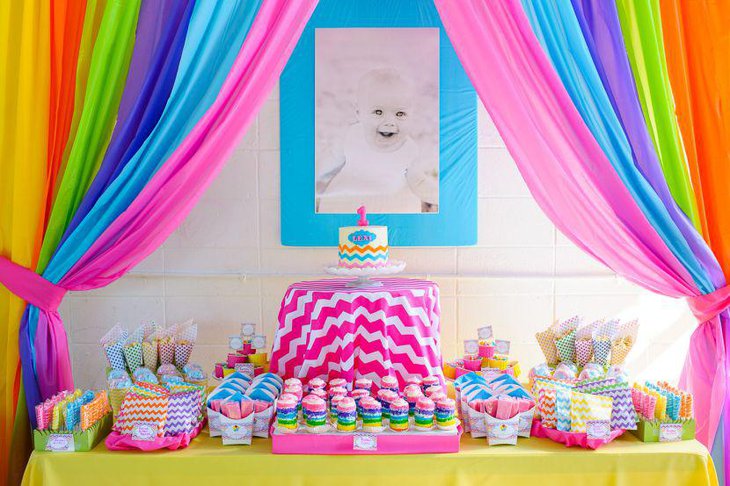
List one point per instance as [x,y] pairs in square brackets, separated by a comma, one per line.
[571,439]
[342,444]
[124,442]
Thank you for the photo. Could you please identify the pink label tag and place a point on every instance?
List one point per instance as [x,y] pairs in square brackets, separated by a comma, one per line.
[364,442]
[144,431]
[598,429]
[60,443]
[670,432]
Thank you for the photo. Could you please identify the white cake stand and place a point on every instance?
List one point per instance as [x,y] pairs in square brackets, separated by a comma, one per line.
[363,274]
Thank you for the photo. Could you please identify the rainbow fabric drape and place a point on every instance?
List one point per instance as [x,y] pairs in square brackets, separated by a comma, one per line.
[630,177]
[116,115]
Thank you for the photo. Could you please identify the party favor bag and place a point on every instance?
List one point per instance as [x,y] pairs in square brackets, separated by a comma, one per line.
[182,412]
[546,406]
[623,342]
[623,415]
[562,409]
[113,344]
[137,410]
[184,343]
[584,407]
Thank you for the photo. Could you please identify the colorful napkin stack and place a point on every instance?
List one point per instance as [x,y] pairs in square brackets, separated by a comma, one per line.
[72,411]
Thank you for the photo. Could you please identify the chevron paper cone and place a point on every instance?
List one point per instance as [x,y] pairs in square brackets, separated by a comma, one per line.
[584,407]
[133,355]
[601,350]
[546,340]
[149,354]
[566,347]
[583,351]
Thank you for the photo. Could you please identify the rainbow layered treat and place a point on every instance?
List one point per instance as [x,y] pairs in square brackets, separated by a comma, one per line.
[389,383]
[363,246]
[346,415]
[399,415]
[292,381]
[386,397]
[357,395]
[287,413]
[414,380]
[412,393]
[316,384]
[315,413]
[338,382]
[363,384]
[372,415]
[333,407]
[337,391]
[423,416]
[429,381]
[433,389]
[320,392]
[446,414]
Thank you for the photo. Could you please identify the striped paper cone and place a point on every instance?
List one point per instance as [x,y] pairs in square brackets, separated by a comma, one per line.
[566,347]
[133,355]
[583,351]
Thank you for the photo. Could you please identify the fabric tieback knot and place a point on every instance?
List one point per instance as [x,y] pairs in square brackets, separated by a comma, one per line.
[30,286]
[707,307]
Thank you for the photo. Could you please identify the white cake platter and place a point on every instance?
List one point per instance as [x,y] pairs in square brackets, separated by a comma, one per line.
[363,274]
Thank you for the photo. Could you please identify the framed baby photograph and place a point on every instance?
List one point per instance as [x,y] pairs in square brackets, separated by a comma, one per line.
[377,111]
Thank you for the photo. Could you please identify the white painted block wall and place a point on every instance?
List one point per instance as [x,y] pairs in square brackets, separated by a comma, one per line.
[225,265]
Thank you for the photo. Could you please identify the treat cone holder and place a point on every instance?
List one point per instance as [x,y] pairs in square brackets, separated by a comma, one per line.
[149,354]
[116,397]
[184,343]
[566,347]
[619,350]
[113,344]
[583,351]
[546,340]
[601,350]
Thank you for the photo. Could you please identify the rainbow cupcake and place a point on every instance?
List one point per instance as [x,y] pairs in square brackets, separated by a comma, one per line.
[412,393]
[338,382]
[292,381]
[346,415]
[386,397]
[446,414]
[389,383]
[357,395]
[423,416]
[364,384]
[414,380]
[315,413]
[333,407]
[316,384]
[320,392]
[372,416]
[287,413]
[399,415]
[433,389]
[429,381]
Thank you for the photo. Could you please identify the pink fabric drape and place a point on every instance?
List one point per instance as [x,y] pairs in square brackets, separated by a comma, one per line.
[170,195]
[568,174]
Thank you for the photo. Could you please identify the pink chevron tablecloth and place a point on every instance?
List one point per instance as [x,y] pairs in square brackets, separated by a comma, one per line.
[329,330]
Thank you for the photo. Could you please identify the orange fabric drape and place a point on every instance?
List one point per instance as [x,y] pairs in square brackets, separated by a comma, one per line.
[697,38]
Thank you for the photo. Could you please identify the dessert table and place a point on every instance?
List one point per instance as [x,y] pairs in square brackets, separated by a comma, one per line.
[532,461]
[329,329]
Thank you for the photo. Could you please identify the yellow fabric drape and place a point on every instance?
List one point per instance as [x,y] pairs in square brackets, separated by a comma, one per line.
[24,99]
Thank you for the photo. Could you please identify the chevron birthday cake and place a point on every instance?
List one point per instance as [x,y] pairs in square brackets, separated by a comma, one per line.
[363,246]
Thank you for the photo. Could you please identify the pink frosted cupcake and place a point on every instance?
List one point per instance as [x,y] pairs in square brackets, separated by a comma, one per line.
[334,402]
[386,397]
[433,389]
[438,396]
[315,413]
[399,415]
[338,382]
[320,392]
[363,384]
[414,380]
[412,393]
[346,415]
[337,391]
[292,381]
[389,383]
[429,381]
[423,417]
[294,389]
[357,395]
[316,384]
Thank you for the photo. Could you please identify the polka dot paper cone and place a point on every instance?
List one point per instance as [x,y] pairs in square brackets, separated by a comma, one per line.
[115,355]
[583,351]
[566,347]
[619,350]
[601,349]
[133,355]
[182,353]
[546,340]
[166,351]
[149,354]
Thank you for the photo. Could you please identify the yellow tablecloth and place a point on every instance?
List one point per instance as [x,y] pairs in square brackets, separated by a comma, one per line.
[540,462]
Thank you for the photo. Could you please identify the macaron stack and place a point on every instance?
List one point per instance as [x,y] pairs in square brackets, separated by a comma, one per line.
[446,414]
[372,417]
[287,413]
[315,414]
[399,415]
[346,415]
[424,413]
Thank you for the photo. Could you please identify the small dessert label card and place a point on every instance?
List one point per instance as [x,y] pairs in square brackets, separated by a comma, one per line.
[245,368]
[670,432]
[60,443]
[237,431]
[485,332]
[501,346]
[502,431]
[235,343]
[471,346]
[365,442]
[598,429]
[144,431]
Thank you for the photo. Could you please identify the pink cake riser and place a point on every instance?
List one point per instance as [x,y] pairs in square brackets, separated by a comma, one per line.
[341,444]
[363,265]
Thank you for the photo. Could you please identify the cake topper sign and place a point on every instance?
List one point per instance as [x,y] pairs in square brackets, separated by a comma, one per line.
[363,220]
